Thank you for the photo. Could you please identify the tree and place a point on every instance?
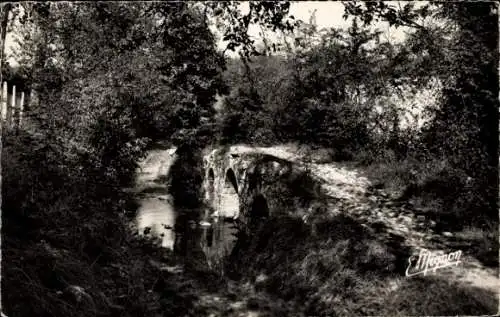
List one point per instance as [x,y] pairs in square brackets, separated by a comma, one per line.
[336,75]
[465,126]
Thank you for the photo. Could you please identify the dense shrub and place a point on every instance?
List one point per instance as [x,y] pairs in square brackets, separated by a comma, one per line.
[65,231]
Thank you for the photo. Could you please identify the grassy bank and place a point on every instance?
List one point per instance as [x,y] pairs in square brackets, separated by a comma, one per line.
[445,195]
[67,252]
[340,269]
[452,199]
[67,249]
[332,265]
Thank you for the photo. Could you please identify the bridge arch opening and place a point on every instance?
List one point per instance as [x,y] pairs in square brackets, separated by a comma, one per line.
[211,178]
[211,184]
[259,208]
[229,200]
[231,180]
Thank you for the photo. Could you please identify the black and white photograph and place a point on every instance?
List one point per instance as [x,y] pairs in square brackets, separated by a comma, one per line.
[249,158]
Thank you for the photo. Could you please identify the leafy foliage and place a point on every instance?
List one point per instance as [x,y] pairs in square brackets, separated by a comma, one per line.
[465,126]
[321,92]
[348,90]
[109,78]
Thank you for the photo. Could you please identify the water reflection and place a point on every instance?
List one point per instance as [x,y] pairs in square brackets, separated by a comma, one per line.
[182,231]
[158,215]
[217,242]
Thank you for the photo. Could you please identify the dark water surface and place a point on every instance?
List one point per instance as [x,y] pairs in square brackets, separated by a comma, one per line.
[181,231]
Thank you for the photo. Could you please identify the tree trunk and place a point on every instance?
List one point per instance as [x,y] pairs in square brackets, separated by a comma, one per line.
[4,17]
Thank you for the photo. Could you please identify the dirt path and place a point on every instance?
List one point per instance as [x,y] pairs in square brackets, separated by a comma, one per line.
[378,207]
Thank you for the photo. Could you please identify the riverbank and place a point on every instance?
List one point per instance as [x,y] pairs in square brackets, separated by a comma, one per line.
[68,249]
[300,269]
[349,261]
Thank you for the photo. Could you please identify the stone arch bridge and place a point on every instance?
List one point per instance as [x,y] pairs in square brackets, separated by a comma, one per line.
[244,183]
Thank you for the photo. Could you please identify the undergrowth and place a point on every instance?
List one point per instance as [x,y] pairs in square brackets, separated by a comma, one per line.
[445,194]
[340,269]
[67,249]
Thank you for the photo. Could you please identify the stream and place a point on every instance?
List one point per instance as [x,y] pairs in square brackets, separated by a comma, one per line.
[180,231]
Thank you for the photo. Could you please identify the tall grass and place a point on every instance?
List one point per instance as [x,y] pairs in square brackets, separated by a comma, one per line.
[343,270]
[443,193]
[67,249]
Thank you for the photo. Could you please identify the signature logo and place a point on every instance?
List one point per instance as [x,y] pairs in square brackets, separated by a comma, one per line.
[431,261]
